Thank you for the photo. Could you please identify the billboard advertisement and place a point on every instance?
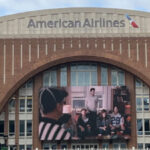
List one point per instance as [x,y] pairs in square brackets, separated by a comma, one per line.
[84,112]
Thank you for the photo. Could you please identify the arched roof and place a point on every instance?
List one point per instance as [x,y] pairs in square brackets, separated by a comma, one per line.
[42,23]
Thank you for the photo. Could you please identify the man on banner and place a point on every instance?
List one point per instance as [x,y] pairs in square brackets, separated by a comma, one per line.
[91,105]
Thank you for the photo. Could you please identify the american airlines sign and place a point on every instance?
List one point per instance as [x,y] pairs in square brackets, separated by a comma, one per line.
[86,23]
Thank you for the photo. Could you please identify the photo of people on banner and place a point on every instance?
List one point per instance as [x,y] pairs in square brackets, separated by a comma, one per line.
[80,113]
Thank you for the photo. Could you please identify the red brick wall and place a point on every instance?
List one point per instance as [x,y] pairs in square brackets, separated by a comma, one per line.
[56,55]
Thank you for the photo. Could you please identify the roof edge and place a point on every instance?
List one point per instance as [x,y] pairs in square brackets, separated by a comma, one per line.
[73,10]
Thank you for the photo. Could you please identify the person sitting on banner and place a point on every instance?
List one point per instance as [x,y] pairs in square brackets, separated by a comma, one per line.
[103,122]
[69,124]
[117,122]
[120,103]
[83,125]
[51,101]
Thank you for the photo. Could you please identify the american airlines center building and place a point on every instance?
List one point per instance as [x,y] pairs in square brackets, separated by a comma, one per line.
[72,47]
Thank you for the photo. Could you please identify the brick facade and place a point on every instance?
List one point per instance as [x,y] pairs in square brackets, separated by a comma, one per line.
[21,59]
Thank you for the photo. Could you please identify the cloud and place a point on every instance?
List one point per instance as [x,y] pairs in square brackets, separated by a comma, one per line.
[128,4]
[17,6]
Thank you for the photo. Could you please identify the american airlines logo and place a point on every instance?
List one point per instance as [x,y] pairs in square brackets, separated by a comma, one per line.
[86,23]
[132,22]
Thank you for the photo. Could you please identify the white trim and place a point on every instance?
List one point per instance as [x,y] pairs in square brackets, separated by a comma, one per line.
[4,67]
[38,51]
[46,48]
[21,57]
[55,47]
[112,45]
[104,45]
[129,50]
[29,52]
[120,48]
[13,51]
[137,51]
[146,61]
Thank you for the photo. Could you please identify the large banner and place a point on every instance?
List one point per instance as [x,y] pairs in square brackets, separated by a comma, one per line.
[83,113]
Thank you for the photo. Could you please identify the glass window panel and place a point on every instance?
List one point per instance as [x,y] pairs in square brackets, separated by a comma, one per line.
[73,67]
[73,79]
[145,89]
[147,126]
[22,105]
[22,128]
[113,77]
[84,83]
[87,146]
[138,83]
[95,147]
[46,79]
[140,146]
[138,101]
[91,146]
[138,104]
[94,78]
[63,68]
[121,78]
[29,104]
[78,146]
[50,78]
[29,127]
[11,106]
[84,74]
[139,127]
[81,79]
[11,127]
[1,128]
[78,103]
[73,147]
[21,147]
[147,146]
[63,76]
[104,76]
[29,84]
[93,67]
[82,67]
[146,104]
[63,146]
[54,146]
[46,146]
[87,78]
[53,79]
[115,145]
[12,147]
[139,91]
[82,146]
[105,145]
[123,145]
[29,147]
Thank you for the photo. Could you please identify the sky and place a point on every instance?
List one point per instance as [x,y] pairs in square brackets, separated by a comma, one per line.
[8,7]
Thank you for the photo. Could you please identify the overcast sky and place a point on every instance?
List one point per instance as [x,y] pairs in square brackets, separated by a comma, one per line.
[8,7]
